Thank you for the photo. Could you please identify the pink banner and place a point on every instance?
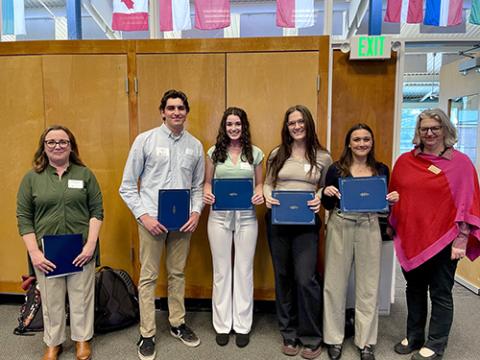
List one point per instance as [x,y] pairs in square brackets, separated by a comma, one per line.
[212,14]
[286,13]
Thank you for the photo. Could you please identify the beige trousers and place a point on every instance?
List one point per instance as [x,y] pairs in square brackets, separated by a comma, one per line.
[352,240]
[81,297]
[177,247]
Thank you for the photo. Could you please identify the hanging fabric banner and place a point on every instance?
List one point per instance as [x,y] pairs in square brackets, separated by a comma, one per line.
[404,11]
[13,17]
[130,15]
[475,13]
[174,15]
[443,12]
[295,13]
[212,14]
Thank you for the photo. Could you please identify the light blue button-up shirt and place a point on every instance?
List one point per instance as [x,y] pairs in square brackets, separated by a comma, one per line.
[158,160]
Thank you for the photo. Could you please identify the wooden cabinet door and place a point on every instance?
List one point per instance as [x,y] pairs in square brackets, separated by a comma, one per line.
[266,85]
[87,94]
[22,122]
[202,78]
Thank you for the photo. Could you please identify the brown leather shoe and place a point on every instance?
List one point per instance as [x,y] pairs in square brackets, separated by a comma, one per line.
[52,352]
[83,350]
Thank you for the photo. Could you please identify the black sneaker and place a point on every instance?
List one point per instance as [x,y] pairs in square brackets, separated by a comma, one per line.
[185,335]
[242,340]
[146,348]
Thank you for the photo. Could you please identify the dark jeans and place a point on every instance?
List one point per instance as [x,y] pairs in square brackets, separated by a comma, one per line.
[437,277]
[298,290]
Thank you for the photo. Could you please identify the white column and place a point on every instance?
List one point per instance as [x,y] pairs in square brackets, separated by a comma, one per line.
[328,17]
[233,31]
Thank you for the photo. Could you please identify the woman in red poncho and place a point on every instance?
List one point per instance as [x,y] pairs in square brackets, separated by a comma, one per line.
[436,223]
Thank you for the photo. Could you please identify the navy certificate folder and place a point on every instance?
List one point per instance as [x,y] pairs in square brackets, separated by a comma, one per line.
[62,250]
[293,208]
[173,208]
[363,194]
[232,194]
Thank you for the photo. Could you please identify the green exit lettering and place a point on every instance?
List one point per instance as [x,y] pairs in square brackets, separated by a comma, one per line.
[370,46]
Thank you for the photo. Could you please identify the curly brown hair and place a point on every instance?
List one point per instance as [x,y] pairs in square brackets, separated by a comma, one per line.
[40,159]
[220,153]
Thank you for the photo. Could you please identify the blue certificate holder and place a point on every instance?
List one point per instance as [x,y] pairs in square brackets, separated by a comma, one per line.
[62,250]
[232,194]
[173,208]
[293,208]
[363,194]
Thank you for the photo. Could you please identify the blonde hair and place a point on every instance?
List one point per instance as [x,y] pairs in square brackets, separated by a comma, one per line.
[450,133]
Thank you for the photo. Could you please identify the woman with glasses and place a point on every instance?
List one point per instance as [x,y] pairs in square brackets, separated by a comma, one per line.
[436,223]
[233,156]
[353,240]
[300,162]
[59,196]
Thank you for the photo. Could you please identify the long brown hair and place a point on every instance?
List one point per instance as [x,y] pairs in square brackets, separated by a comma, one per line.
[346,159]
[284,150]
[220,153]
[40,159]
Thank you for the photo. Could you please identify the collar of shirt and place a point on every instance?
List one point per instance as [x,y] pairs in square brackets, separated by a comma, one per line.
[164,128]
[446,155]
[52,170]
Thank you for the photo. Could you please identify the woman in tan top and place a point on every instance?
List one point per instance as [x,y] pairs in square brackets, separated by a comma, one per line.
[298,163]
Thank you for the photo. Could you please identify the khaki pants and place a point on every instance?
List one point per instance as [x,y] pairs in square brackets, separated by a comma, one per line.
[177,247]
[352,239]
[81,296]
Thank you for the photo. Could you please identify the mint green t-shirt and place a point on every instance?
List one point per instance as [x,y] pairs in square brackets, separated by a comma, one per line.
[242,169]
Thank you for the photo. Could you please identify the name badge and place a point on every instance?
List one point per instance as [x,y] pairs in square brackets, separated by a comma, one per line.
[434,169]
[245,166]
[75,184]
[189,151]
[162,151]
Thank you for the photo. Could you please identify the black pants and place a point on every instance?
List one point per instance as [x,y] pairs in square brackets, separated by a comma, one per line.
[436,276]
[298,291]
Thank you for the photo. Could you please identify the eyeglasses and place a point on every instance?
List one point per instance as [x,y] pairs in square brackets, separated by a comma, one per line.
[173,107]
[52,143]
[292,123]
[434,129]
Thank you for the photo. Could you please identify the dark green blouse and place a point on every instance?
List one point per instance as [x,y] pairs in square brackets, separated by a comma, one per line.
[49,205]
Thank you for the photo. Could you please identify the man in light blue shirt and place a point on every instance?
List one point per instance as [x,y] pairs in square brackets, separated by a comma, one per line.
[166,157]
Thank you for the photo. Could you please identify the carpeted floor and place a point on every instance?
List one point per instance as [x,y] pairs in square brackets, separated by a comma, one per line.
[265,339]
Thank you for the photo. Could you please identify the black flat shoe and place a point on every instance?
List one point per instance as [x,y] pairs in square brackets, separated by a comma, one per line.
[242,340]
[222,339]
[418,356]
[367,353]
[406,349]
[334,352]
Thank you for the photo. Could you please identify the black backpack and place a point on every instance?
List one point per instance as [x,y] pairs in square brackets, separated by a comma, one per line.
[116,300]
[30,318]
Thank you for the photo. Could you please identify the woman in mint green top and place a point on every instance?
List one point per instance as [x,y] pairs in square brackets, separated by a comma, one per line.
[233,156]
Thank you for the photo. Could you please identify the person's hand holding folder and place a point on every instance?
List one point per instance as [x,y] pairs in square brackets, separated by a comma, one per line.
[152,225]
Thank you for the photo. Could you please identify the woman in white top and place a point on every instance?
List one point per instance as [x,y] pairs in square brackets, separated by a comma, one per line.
[233,156]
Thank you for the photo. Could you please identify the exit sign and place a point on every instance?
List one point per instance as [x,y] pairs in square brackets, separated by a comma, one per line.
[370,47]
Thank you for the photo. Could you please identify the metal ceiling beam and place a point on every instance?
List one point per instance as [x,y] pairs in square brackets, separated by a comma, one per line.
[100,21]
[358,8]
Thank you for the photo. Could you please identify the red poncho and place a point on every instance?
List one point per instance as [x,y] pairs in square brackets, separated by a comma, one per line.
[436,193]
